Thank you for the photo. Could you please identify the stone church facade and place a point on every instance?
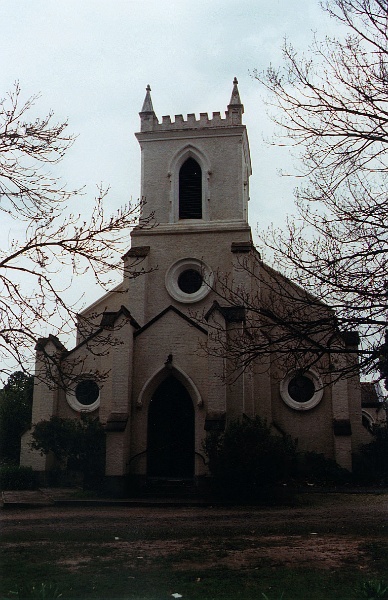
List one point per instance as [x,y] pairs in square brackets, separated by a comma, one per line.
[150,369]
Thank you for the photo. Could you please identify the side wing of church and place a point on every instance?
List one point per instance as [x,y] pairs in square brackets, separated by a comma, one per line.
[152,369]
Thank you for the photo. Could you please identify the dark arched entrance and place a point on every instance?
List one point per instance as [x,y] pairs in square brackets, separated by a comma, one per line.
[171,431]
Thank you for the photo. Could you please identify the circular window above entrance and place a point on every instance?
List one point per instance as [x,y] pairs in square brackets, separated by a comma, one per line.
[302,390]
[189,280]
[84,395]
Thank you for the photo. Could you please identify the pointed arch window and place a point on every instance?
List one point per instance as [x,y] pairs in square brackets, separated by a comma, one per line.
[190,190]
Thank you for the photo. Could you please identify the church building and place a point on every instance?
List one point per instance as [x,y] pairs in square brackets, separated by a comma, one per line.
[151,358]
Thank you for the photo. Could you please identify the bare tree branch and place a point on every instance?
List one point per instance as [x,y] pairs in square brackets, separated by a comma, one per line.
[331,107]
[52,243]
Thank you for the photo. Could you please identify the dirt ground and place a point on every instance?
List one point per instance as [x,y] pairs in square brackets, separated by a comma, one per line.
[327,530]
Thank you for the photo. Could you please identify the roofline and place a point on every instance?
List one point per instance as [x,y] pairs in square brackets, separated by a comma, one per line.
[177,312]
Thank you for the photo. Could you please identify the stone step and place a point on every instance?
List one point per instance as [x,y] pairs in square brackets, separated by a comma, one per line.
[169,488]
[25,499]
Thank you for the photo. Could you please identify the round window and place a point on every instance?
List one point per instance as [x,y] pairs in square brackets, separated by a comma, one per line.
[301,388]
[84,395]
[189,280]
[302,391]
[87,392]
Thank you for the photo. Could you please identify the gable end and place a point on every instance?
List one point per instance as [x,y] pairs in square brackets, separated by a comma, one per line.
[176,311]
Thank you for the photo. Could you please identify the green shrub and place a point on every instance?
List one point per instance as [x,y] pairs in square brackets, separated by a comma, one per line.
[13,477]
[15,414]
[315,468]
[78,445]
[247,458]
[372,590]
[370,464]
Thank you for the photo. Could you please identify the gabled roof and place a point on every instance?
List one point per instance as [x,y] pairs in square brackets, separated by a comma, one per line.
[175,310]
[108,321]
[109,318]
[231,314]
[369,395]
[42,343]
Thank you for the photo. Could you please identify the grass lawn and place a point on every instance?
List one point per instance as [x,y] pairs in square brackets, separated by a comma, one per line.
[321,550]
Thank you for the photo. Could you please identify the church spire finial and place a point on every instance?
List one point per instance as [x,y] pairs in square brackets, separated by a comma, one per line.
[235,97]
[147,115]
[147,104]
[235,107]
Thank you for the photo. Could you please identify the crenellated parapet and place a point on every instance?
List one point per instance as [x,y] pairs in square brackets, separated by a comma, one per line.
[233,116]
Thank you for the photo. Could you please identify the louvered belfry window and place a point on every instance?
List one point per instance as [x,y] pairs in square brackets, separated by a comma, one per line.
[190,190]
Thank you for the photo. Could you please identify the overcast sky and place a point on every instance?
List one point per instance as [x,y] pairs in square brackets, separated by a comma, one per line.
[92,59]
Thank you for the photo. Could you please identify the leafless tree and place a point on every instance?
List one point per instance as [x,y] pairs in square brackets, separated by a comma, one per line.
[332,108]
[48,242]
[272,322]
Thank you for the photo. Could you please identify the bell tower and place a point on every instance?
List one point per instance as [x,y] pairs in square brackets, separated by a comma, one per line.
[195,182]
[195,172]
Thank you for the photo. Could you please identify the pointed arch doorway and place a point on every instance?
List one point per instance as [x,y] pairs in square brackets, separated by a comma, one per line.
[171,432]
